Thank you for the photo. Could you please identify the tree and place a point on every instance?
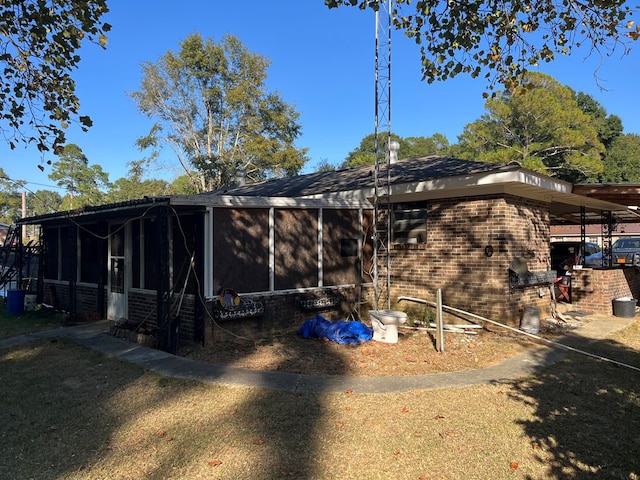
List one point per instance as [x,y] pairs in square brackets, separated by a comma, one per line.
[436,144]
[135,186]
[39,44]
[182,185]
[502,39]
[10,199]
[538,124]
[365,154]
[609,127]
[211,107]
[124,189]
[42,202]
[84,183]
[325,166]
[622,160]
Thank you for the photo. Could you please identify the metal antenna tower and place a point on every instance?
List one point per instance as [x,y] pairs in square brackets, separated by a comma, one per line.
[382,143]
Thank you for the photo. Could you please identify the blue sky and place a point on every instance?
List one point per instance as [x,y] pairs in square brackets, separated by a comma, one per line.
[322,61]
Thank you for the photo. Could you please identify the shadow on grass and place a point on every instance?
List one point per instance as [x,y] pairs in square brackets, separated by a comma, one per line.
[12,324]
[587,413]
[68,411]
[54,408]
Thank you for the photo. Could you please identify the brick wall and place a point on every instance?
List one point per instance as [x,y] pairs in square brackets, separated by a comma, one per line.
[57,293]
[454,259]
[593,290]
[143,311]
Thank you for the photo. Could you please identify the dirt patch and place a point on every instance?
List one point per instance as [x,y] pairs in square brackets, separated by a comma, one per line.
[414,354]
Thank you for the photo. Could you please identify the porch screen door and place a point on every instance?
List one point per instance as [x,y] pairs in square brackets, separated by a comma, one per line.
[118,284]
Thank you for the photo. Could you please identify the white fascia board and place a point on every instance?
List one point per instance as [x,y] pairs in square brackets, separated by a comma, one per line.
[352,197]
[231,201]
[492,179]
[495,181]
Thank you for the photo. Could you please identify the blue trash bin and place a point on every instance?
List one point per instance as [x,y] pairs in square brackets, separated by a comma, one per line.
[15,302]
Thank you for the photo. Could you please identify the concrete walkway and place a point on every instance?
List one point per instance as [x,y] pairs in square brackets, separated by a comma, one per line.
[96,336]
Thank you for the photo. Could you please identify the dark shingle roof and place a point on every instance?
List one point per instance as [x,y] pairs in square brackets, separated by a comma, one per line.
[404,171]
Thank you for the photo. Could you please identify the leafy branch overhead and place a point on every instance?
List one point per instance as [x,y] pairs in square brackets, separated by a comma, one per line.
[39,44]
[503,39]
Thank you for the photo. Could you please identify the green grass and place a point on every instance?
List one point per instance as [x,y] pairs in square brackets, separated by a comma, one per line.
[68,412]
[12,325]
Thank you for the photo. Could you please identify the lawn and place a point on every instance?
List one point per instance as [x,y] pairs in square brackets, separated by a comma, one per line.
[31,321]
[68,412]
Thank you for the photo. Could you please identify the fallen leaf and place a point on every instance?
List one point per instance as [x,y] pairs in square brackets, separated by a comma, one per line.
[417,434]
[214,463]
[396,452]
[405,409]
[233,412]
[340,424]
[258,441]
[439,417]
[169,439]
[514,465]
[161,433]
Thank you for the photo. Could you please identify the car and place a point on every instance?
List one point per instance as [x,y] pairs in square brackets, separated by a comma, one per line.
[626,251]
[569,254]
[596,260]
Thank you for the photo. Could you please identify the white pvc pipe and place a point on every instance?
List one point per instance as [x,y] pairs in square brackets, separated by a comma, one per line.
[550,342]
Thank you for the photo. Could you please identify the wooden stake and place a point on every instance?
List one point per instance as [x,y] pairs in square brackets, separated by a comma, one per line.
[439,323]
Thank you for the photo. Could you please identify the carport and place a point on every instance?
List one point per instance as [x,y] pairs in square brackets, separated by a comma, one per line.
[610,206]
[607,205]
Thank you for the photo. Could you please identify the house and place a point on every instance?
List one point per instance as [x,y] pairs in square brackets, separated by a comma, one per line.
[291,247]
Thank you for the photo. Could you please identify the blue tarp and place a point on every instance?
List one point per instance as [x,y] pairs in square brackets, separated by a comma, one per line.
[339,331]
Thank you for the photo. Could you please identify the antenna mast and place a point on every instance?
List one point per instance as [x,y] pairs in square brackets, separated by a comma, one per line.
[382,143]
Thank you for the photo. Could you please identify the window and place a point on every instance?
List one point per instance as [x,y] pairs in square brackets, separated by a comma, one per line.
[137,261]
[409,222]
[68,253]
[151,254]
[51,250]
[93,253]
[185,229]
